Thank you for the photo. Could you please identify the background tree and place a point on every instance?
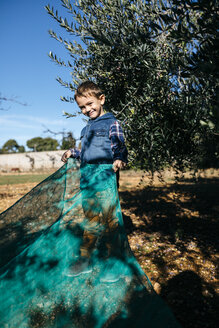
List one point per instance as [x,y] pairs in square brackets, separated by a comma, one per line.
[11,146]
[21,149]
[42,144]
[68,141]
[34,143]
[129,49]
[193,25]
[49,144]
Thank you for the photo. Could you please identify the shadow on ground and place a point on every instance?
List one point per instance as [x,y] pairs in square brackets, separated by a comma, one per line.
[179,223]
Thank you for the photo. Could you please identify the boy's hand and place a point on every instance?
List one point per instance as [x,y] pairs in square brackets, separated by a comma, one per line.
[118,164]
[66,155]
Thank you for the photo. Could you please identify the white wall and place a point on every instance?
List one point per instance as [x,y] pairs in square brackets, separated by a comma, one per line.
[31,160]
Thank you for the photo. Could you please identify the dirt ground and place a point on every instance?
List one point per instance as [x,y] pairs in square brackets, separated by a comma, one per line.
[172,230]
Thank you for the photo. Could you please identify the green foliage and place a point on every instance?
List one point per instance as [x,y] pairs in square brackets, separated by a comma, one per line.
[42,144]
[10,146]
[194,27]
[135,51]
[34,143]
[68,141]
[21,149]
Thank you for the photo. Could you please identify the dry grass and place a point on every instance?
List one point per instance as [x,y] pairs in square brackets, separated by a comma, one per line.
[9,194]
[172,230]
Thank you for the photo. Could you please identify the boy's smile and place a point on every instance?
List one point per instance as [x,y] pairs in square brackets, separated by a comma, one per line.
[91,106]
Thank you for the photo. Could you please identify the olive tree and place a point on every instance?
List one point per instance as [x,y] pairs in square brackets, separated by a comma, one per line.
[125,46]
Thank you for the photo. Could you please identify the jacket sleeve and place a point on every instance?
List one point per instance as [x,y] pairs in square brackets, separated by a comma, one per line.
[75,153]
[118,143]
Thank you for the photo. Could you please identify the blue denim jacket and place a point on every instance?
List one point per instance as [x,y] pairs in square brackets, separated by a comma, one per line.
[95,142]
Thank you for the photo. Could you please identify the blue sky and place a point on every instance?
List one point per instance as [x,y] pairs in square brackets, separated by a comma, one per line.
[27,73]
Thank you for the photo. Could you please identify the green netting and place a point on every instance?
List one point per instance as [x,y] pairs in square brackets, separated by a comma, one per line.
[66,261]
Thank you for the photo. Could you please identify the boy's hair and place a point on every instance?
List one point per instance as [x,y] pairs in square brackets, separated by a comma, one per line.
[88,88]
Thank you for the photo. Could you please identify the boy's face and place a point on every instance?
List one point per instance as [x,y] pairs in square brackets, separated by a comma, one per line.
[91,106]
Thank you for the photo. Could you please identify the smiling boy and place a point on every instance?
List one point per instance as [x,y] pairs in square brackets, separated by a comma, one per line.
[102,140]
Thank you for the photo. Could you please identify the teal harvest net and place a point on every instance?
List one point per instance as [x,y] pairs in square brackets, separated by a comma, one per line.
[66,261]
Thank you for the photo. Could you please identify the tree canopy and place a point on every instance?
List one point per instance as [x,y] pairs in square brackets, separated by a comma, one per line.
[11,146]
[68,141]
[155,74]
[42,144]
